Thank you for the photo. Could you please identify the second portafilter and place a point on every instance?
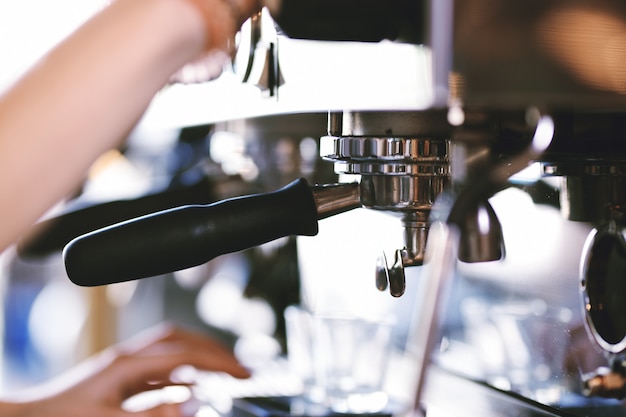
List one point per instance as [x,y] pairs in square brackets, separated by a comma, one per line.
[594,192]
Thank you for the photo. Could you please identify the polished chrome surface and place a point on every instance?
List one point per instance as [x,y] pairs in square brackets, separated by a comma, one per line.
[403,159]
[402,194]
[593,193]
[602,283]
[335,198]
[377,168]
[481,236]
[386,149]
[444,243]
[382,272]
[391,276]
[438,273]
[397,279]
[429,123]
[415,225]
[249,38]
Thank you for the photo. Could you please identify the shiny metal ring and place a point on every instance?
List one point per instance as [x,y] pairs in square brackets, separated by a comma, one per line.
[603,285]
[408,149]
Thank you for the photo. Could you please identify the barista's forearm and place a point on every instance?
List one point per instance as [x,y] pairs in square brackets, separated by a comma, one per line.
[11,409]
[83,98]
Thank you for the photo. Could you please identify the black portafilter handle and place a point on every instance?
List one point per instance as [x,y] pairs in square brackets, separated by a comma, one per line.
[51,235]
[187,236]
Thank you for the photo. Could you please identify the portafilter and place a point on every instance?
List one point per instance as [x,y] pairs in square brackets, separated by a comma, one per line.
[403,162]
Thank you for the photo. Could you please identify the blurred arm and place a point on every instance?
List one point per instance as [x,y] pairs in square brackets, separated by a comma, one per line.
[85,96]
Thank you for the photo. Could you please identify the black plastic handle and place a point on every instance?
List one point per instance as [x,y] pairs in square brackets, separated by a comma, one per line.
[51,235]
[188,236]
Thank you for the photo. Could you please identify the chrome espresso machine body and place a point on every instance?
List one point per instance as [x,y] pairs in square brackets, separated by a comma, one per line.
[530,323]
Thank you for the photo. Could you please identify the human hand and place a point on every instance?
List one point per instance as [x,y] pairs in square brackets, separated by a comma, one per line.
[99,386]
[223,19]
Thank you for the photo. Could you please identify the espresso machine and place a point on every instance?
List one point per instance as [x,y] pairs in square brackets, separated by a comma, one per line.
[493,88]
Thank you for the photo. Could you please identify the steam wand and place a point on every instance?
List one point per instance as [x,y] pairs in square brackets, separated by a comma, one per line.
[443,248]
[481,237]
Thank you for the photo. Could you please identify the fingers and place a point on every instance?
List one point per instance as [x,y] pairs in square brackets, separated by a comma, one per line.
[168,338]
[224,17]
[243,9]
[185,409]
[144,363]
[141,373]
[222,27]
[147,362]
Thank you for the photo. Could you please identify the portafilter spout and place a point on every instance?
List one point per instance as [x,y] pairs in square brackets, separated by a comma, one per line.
[187,236]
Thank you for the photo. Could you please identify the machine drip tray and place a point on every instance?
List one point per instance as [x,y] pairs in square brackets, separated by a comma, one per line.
[448,394]
[291,406]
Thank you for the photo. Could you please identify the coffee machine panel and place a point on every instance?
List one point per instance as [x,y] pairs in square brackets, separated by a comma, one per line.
[493,133]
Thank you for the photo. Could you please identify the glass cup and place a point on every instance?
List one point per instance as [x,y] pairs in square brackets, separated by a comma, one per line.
[299,328]
[350,361]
